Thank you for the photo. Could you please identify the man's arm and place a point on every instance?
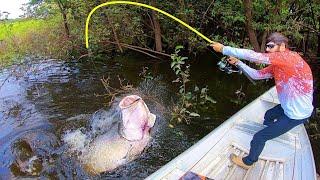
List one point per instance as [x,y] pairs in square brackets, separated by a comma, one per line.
[264,73]
[246,54]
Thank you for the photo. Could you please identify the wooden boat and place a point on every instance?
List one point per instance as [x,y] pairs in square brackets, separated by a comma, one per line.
[286,157]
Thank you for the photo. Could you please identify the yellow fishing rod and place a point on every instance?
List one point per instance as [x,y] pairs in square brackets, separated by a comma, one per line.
[141,5]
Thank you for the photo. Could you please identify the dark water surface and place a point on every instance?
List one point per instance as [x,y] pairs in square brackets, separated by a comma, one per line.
[37,97]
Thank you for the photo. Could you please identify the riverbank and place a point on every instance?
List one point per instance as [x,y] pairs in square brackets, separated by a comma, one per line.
[30,37]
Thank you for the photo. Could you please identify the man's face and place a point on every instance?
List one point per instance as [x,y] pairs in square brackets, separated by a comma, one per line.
[272,47]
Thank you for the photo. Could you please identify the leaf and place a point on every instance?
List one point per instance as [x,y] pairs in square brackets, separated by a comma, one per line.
[208,98]
[182,110]
[176,66]
[181,90]
[184,58]
[179,47]
[203,90]
[188,105]
[176,81]
[171,126]
[193,114]
[196,88]
[172,64]
[189,95]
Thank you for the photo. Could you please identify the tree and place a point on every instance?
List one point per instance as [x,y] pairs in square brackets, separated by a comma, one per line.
[4,15]
[62,4]
[157,29]
[251,32]
[63,8]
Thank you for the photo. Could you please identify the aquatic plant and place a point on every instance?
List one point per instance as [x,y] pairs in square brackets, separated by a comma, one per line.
[189,100]
[145,74]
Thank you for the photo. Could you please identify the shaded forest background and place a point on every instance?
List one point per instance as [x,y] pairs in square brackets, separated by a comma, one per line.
[59,29]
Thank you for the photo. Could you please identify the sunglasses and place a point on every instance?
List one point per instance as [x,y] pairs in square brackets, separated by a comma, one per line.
[271,45]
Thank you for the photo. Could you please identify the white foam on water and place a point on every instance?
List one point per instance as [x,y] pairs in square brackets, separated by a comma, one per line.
[76,140]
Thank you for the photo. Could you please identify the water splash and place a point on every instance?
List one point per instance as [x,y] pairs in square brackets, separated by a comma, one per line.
[76,140]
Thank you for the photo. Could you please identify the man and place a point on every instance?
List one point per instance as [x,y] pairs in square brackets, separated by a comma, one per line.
[294,84]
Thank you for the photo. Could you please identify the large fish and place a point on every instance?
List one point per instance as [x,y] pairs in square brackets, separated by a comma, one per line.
[124,141]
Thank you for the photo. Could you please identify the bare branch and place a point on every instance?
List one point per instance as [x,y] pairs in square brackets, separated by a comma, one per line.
[125,87]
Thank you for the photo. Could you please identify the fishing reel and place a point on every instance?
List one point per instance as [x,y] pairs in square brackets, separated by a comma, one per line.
[223,64]
[226,67]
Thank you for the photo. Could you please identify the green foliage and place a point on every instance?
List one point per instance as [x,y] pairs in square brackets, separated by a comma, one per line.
[223,21]
[291,18]
[11,34]
[19,27]
[145,74]
[313,126]
[35,37]
[189,100]
[178,62]
[240,99]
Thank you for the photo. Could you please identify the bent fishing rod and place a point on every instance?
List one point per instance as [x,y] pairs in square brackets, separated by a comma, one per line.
[223,64]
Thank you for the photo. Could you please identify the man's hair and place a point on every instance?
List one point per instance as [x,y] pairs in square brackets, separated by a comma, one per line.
[278,38]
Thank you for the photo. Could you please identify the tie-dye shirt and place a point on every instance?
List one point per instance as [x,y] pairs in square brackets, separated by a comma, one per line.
[292,76]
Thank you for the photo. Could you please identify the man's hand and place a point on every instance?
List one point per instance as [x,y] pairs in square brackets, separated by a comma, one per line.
[233,60]
[217,47]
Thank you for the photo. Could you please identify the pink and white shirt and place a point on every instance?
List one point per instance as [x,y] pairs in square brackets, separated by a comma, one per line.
[293,78]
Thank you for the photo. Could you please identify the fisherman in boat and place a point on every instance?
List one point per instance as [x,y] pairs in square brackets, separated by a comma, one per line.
[294,84]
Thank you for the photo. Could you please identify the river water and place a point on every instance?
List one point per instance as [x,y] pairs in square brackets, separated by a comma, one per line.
[38,96]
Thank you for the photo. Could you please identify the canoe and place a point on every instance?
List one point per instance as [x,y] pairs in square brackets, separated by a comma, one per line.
[288,156]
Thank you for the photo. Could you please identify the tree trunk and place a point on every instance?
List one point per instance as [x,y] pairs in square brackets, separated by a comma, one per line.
[205,13]
[64,16]
[318,51]
[317,96]
[115,35]
[251,32]
[182,8]
[264,41]
[157,29]
[306,42]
